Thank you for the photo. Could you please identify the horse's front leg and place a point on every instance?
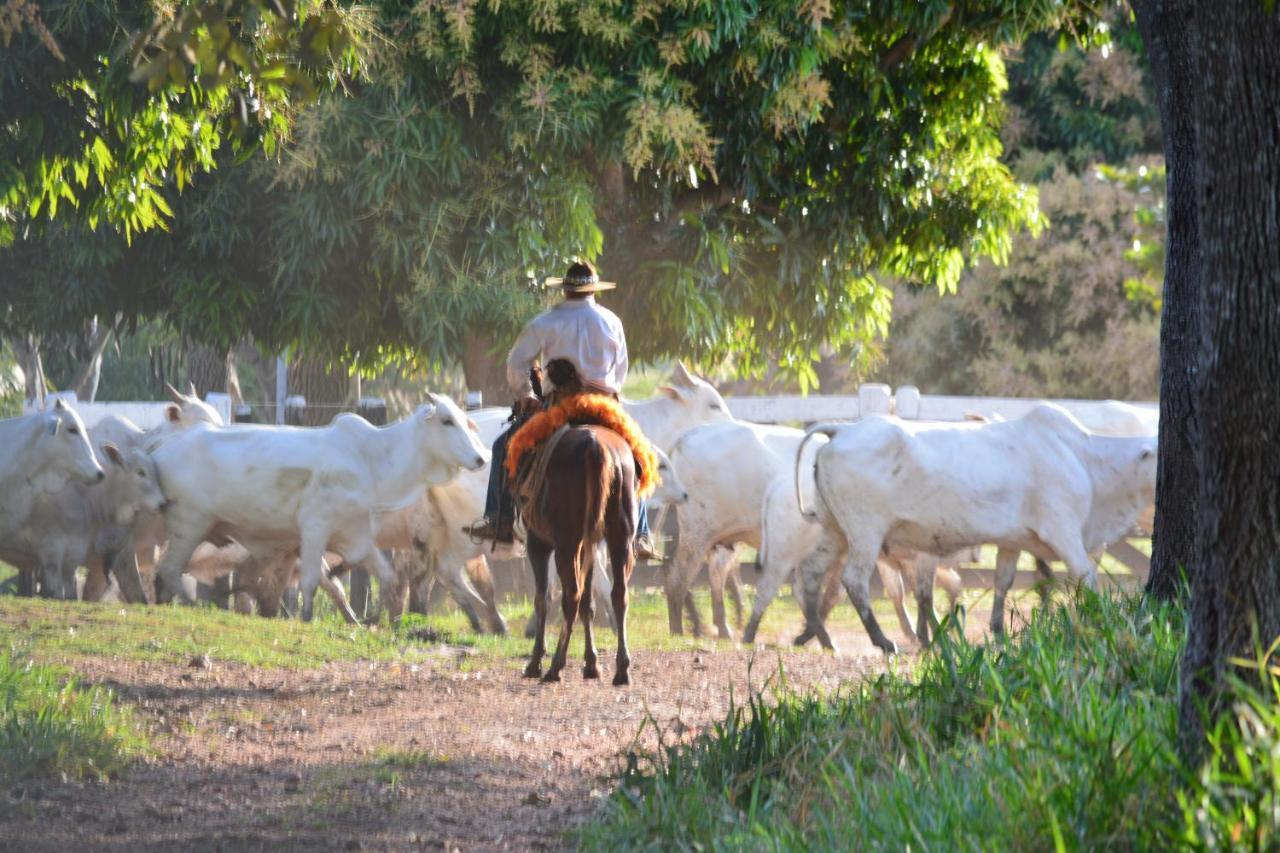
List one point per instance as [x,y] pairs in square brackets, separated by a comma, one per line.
[539,553]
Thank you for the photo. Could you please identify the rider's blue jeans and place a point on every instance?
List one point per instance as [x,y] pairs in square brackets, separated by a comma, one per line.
[500,503]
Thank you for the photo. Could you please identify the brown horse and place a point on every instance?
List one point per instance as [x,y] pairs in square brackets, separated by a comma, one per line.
[589,495]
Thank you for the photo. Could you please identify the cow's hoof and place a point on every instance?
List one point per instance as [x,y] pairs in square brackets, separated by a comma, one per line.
[533,670]
[622,679]
[590,671]
[803,638]
[552,677]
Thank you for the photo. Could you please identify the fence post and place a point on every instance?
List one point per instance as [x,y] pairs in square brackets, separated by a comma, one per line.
[874,398]
[294,407]
[906,403]
[373,410]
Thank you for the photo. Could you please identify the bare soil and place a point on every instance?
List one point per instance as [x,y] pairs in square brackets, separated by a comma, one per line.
[365,756]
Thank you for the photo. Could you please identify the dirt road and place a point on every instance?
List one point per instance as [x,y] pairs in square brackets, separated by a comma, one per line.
[364,756]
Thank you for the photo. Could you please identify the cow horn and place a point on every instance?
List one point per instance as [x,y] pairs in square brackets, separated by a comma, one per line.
[174,394]
[192,386]
[680,375]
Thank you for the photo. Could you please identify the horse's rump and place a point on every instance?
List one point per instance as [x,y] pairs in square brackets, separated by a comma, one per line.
[592,458]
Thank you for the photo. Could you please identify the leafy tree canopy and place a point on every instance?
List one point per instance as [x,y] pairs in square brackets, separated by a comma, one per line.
[106,104]
[745,169]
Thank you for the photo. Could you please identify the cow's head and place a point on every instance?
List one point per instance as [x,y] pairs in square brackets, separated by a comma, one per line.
[670,490]
[132,483]
[62,451]
[1145,465]
[449,435]
[700,403]
[188,409]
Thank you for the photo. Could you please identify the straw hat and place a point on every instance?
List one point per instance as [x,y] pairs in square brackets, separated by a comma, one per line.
[581,278]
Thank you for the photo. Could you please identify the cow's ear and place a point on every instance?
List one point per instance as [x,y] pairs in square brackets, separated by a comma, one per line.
[1147,454]
[59,405]
[173,414]
[112,452]
[55,424]
[673,393]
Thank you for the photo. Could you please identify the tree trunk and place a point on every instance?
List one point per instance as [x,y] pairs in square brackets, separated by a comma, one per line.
[1177,476]
[484,372]
[327,391]
[1235,588]
[206,369]
[27,349]
[85,383]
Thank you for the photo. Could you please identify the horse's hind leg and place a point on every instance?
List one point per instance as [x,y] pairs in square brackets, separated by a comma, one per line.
[621,560]
[539,556]
[586,608]
[570,594]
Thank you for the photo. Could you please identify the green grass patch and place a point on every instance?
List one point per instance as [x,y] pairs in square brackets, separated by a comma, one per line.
[1062,737]
[51,726]
[60,632]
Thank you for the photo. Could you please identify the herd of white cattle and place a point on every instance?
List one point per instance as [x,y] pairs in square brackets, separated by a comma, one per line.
[146,513]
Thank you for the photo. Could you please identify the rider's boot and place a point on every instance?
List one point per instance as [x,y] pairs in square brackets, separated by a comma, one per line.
[486,528]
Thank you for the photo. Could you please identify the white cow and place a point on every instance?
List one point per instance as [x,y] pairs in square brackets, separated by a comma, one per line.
[273,488]
[41,453]
[147,533]
[85,525]
[739,476]
[1041,484]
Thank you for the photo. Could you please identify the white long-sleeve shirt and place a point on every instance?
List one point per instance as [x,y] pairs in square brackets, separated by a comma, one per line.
[588,335]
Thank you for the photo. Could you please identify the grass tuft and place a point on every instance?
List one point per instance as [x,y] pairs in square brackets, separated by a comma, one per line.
[1063,737]
[50,726]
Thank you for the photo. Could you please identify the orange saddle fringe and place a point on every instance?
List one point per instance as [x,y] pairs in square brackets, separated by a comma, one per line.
[594,409]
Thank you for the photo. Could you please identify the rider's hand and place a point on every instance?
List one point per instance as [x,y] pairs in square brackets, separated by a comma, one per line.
[526,406]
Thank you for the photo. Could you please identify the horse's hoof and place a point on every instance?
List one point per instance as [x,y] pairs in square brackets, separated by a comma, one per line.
[533,670]
[589,672]
[551,677]
[622,679]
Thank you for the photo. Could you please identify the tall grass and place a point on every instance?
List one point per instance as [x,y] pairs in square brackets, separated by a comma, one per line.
[1062,737]
[50,726]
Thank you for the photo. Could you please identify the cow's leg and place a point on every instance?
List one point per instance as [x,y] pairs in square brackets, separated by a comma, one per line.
[95,579]
[124,568]
[733,586]
[718,567]
[452,573]
[825,557]
[926,619]
[690,552]
[1006,570]
[857,582]
[831,591]
[1045,585]
[482,580]
[586,608]
[390,589]
[570,595]
[338,596]
[601,587]
[313,569]
[772,574]
[1072,551]
[539,554]
[892,578]
[176,558]
[26,582]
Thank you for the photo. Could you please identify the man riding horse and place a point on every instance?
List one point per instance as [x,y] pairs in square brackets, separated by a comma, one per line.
[589,337]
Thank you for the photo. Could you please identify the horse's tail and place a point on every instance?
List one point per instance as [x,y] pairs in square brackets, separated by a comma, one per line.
[600,474]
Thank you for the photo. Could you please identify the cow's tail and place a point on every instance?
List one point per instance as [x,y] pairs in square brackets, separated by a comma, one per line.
[828,430]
